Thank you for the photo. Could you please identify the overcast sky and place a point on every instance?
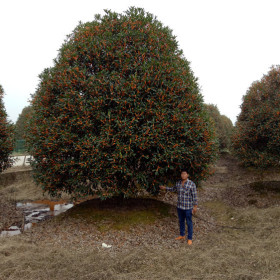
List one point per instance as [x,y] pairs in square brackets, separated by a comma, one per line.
[230,43]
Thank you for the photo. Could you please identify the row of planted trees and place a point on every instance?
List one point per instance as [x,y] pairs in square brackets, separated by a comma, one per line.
[120,111]
[6,136]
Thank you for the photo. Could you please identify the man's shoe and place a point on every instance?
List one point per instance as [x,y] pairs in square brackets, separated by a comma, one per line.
[189,242]
[180,237]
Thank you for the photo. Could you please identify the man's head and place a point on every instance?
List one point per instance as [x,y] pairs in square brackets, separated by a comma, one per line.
[184,174]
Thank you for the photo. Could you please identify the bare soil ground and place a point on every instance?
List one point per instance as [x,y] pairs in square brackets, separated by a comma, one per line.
[236,234]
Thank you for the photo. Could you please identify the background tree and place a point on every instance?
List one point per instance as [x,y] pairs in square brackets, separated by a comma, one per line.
[119,111]
[6,136]
[257,136]
[21,123]
[223,127]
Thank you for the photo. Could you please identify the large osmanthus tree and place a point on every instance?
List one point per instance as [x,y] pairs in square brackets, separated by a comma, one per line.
[119,112]
[256,139]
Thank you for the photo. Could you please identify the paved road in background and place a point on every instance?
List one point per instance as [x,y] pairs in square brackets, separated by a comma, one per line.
[21,160]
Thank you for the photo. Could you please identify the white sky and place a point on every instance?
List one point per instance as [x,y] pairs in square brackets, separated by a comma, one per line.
[230,43]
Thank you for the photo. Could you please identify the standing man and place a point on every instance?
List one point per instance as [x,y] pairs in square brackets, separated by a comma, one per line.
[186,205]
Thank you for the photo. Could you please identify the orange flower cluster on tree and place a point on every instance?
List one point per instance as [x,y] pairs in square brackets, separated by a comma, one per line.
[120,111]
[6,136]
[257,136]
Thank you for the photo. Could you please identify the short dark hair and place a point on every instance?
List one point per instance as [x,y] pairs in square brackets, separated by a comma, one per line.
[184,170]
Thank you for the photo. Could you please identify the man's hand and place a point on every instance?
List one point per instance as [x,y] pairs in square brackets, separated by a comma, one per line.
[162,188]
[194,209]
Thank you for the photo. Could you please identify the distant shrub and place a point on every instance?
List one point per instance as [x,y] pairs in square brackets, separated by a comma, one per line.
[20,126]
[223,127]
[256,139]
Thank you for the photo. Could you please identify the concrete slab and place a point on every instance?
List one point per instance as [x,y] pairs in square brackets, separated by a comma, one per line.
[21,160]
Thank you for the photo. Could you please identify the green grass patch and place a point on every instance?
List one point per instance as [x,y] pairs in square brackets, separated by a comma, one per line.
[223,213]
[118,214]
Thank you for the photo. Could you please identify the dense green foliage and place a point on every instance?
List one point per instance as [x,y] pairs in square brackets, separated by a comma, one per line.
[20,126]
[6,136]
[223,127]
[119,112]
[257,136]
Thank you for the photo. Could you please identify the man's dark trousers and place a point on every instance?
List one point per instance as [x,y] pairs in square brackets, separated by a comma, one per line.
[185,215]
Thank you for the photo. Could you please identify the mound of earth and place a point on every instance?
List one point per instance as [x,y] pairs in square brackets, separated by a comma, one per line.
[261,194]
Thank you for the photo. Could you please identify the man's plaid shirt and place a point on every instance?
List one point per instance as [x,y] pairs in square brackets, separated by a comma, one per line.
[187,194]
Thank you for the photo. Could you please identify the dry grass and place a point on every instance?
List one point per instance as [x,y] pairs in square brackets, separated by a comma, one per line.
[225,253]
[17,184]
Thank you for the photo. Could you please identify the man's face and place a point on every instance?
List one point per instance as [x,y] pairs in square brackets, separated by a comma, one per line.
[184,175]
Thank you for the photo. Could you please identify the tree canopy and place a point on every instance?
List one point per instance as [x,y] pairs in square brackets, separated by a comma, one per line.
[223,127]
[119,112]
[257,136]
[6,136]
[21,123]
